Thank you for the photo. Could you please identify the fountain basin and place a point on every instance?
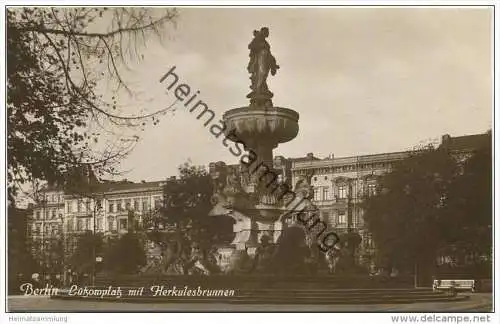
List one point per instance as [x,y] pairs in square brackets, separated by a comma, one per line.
[273,125]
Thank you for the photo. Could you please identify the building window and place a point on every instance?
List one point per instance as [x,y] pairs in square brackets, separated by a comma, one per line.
[332,218]
[87,224]
[99,223]
[79,224]
[326,193]
[317,194]
[145,204]
[70,225]
[87,206]
[79,206]
[372,189]
[136,204]
[111,206]
[157,202]
[99,203]
[70,206]
[111,224]
[341,217]
[119,205]
[123,224]
[342,191]
[355,217]
[37,215]
[127,204]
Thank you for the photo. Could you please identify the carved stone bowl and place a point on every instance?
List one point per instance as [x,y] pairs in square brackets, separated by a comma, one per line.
[273,125]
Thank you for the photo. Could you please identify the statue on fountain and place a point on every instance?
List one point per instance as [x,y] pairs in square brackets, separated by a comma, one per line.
[261,63]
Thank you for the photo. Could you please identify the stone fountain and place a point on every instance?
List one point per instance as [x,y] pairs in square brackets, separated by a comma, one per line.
[243,192]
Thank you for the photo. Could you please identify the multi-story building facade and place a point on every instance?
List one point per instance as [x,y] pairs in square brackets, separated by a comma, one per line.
[45,228]
[340,185]
[59,218]
[107,209]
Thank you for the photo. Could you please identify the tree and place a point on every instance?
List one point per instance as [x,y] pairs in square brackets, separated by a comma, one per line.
[187,203]
[468,209]
[21,262]
[89,245]
[125,255]
[58,59]
[406,215]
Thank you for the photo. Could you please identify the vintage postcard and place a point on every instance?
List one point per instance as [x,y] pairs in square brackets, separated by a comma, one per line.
[334,159]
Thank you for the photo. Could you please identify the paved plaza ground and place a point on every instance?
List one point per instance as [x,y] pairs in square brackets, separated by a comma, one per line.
[478,302]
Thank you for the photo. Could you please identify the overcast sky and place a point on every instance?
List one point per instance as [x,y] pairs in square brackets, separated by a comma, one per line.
[364,80]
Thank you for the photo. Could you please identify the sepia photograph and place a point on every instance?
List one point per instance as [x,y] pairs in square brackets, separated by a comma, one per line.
[208,158]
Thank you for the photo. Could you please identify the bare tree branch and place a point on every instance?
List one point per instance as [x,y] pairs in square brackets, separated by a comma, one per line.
[56,59]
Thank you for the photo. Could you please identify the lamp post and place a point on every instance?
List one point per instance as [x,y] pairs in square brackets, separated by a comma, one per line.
[98,261]
[95,258]
[63,247]
[43,245]
[94,241]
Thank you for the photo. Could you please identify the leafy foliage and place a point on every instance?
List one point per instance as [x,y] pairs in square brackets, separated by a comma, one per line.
[21,263]
[405,216]
[187,203]
[433,204]
[89,246]
[57,61]
[469,207]
[125,255]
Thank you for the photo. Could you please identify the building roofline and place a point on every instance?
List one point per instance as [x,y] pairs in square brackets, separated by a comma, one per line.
[369,158]
[117,188]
